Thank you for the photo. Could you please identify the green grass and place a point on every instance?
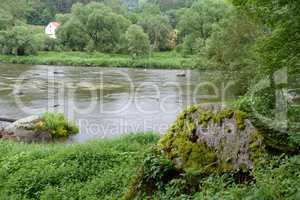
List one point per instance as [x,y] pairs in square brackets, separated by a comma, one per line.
[58,125]
[104,169]
[163,60]
[95,170]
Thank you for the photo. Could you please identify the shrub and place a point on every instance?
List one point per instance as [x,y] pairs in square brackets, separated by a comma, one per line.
[57,125]
[18,40]
[137,41]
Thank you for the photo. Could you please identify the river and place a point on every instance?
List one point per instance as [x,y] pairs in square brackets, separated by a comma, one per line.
[104,102]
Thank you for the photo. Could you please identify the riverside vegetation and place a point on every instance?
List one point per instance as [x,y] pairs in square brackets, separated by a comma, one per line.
[96,170]
[105,169]
[161,60]
[247,38]
[49,127]
[109,33]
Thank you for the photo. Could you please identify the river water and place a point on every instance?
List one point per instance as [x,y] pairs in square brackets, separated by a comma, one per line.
[104,102]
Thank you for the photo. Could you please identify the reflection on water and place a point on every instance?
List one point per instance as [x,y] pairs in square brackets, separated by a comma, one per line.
[105,102]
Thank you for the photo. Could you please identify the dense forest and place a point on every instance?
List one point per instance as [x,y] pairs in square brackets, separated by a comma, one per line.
[246,40]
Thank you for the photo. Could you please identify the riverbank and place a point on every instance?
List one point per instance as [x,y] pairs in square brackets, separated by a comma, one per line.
[99,169]
[104,169]
[161,60]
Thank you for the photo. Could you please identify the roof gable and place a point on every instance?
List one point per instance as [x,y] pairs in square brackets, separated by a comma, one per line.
[55,24]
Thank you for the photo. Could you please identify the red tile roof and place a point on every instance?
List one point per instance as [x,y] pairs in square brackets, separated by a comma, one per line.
[56,24]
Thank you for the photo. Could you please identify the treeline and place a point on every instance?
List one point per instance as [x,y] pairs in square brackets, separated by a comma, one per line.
[111,28]
[40,12]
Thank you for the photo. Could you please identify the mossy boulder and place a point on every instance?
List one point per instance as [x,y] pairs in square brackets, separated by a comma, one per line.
[204,140]
[209,138]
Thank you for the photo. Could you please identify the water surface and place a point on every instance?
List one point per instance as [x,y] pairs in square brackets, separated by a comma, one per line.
[104,102]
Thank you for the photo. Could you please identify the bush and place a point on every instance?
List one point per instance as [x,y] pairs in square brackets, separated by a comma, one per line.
[50,44]
[71,36]
[19,41]
[137,41]
[57,125]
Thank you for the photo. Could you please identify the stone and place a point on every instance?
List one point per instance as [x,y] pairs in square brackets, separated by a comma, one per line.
[25,130]
[212,138]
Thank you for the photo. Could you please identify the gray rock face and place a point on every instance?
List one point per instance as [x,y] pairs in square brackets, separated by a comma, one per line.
[24,130]
[231,142]
[211,135]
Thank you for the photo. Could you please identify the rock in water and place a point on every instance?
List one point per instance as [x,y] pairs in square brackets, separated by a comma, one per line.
[210,139]
[25,130]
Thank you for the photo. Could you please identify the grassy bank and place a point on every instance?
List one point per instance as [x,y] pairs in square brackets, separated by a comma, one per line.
[96,170]
[104,169]
[162,60]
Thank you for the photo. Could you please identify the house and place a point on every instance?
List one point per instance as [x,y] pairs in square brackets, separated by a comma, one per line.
[50,30]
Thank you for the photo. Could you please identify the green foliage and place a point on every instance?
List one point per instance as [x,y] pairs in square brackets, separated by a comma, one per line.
[18,40]
[71,36]
[156,171]
[95,170]
[166,5]
[50,44]
[38,12]
[274,177]
[93,26]
[103,170]
[41,12]
[156,25]
[230,49]
[137,41]
[276,49]
[294,125]
[6,19]
[191,45]
[57,125]
[45,43]
[161,60]
[13,12]
[279,47]
[197,22]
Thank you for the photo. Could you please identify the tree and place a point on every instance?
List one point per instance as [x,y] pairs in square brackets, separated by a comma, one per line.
[156,25]
[72,36]
[137,41]
[15,8]
[97,24]
[12,12]
[18,41]
[166,5]
[6,19]
[197,21]
[230,48]
[38,13]
[158,29]
[278,49]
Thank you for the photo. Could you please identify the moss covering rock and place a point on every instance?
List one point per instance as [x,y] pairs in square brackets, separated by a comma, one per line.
[210,138]
[204,140]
